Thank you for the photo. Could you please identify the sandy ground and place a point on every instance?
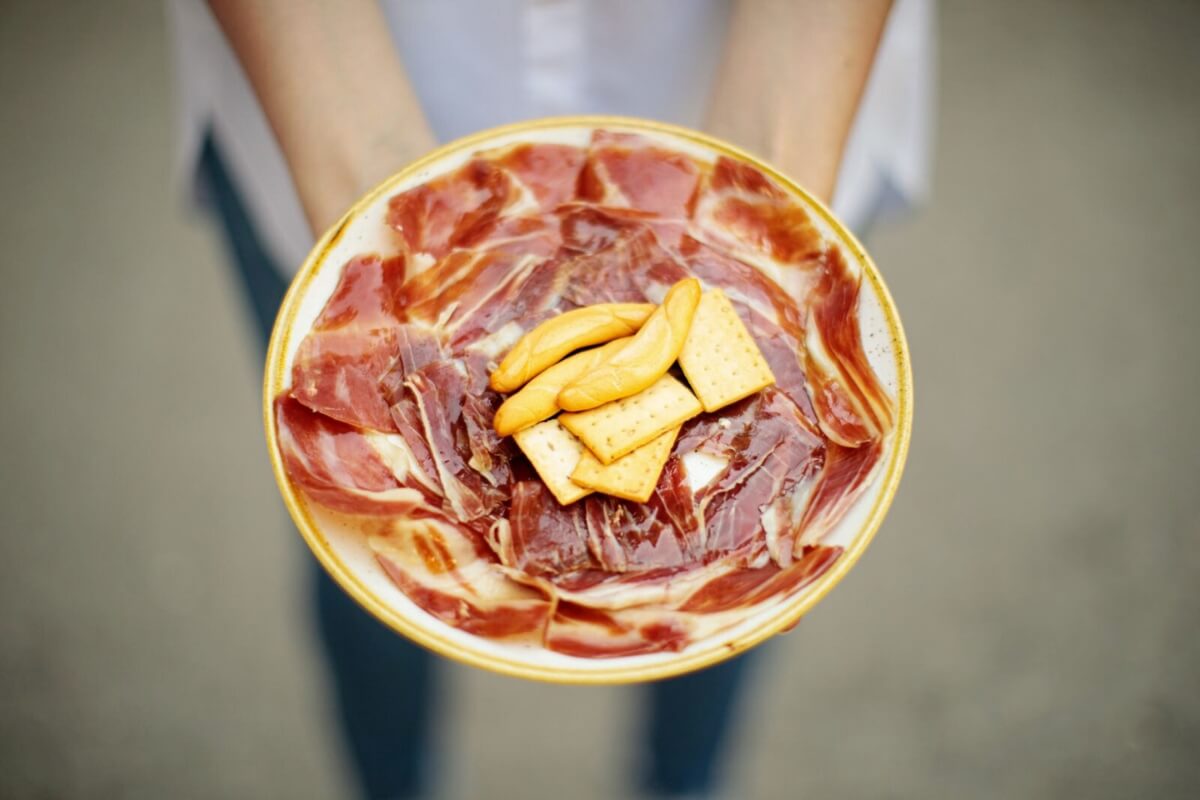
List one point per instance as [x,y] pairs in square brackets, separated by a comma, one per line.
[1024,626]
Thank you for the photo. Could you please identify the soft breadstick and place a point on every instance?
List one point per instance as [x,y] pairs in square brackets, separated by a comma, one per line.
[549,342]
[538,399]
[645,359]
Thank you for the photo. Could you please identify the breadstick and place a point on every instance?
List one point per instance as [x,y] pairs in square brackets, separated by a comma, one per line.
[549,342]
[645,359]
[538,399]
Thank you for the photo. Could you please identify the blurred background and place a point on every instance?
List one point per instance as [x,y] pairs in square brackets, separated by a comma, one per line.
[1025,625]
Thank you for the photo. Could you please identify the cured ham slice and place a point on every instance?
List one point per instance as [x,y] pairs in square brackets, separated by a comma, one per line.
[770,455]
[464,208]
[632,171]
[845,472]
[581,631]
[447,417]
[615,258]
[465,279]
[523,303]
[842,383]
[353,344]
[743,283]
[451,211]
[541,537]
[388,420]
[548,172]
[440,568]
[755,220]
[750,586]
[339,466]
[626,536]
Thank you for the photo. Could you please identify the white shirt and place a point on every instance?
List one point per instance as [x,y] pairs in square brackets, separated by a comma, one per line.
[479,63]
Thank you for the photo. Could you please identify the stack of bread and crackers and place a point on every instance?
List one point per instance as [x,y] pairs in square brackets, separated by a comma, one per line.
[604,419]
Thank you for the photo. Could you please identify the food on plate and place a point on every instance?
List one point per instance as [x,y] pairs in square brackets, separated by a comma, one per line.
[720,358]
[602,398]
[553,339]
[538,399]
[635,408]
[633,476]
[650,353]
[614,429]
[554,453]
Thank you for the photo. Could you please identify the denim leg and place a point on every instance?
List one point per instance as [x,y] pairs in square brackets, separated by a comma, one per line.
[263,287]
[385,687]
[383,684]
[688,726]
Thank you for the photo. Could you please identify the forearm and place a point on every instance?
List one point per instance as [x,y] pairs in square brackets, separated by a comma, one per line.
[334,91]
[791,79]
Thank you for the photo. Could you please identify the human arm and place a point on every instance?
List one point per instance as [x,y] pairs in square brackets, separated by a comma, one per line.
[792,75]
[334,92]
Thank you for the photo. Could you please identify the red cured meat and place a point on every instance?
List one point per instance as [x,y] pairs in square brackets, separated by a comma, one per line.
[528,301]
[490,455]
[608,275]
[769,450]
[769,313]
[335,464]
[452,210]
[579,630]
[407,419]
[525,614]
[857,396]
[749,586]
[845,471]
[784,353]
[744,208]
[549,171]
[337,373]
[587,228]
[618,260]
[632,171]
[546,538]
[674,496]
[352,345]
[734,176]
[653,638]
[416,347]
[625,536]
[837,413]
[744,283]
[439,391]
[465,280]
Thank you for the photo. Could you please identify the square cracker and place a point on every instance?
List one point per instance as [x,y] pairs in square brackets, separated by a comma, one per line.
[554,453]
[720,358]
[631,476]
[622,426]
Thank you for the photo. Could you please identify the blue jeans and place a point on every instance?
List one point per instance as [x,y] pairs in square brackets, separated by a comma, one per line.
[386,686]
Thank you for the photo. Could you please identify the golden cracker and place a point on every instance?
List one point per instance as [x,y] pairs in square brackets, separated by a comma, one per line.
[632,476]
[622,426]
[554,453]
[720,358]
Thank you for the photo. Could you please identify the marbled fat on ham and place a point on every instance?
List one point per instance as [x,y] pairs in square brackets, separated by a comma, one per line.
[388,421]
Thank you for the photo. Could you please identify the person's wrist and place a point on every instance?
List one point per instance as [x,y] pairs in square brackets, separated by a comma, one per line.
[334,180]
[817,174]
[389,151]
